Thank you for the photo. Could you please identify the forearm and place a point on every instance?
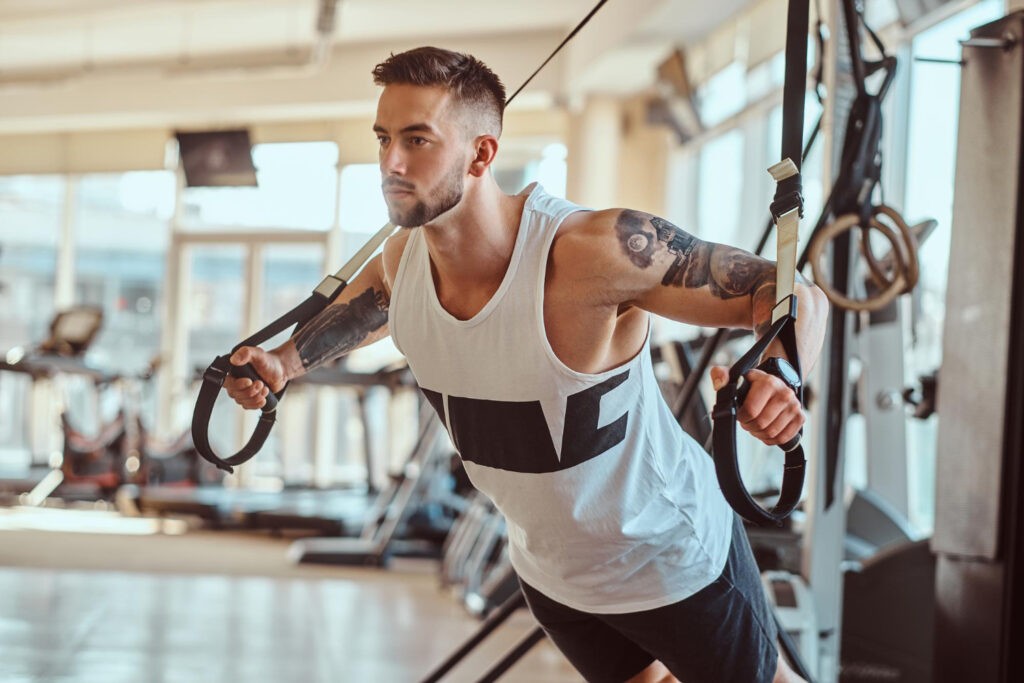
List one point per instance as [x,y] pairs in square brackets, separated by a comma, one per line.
[811,319]
[342,327]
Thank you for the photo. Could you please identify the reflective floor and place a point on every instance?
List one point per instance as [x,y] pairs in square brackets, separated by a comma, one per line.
[72,625]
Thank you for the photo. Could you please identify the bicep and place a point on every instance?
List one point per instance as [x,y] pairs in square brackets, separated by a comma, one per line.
[668,271]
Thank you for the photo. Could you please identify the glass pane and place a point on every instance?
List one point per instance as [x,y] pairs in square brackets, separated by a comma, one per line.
[362,208]
[723,95]
[121,239]
[297,189]
[290,272]
[30,218]
[213,318]
[721,181]
[549,170]
[216,301]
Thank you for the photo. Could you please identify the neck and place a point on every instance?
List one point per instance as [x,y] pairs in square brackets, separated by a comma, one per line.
[471,245]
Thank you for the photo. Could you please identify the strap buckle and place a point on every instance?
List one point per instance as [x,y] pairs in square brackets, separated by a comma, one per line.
[790,310]
[215,373]
[788,189]
[329,287]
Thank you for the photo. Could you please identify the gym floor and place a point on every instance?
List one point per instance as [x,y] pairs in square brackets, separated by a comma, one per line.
[222,606]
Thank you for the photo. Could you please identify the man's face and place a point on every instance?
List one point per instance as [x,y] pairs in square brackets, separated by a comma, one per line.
[424,153]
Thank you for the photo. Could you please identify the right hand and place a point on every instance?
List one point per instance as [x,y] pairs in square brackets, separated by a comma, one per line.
[252,395]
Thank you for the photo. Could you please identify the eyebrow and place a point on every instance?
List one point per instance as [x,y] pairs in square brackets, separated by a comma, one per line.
[414,128]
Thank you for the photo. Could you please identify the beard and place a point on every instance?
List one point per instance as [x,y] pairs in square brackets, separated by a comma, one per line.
[447,194]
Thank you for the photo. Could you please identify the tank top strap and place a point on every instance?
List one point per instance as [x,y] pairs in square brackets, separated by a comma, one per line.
[545,216]
[406,283]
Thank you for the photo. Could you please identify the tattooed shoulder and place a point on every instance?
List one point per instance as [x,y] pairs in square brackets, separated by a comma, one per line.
[648,241]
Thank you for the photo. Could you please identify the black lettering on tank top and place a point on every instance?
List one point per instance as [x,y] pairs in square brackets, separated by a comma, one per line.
[436,400]
[583,439]
[514,436]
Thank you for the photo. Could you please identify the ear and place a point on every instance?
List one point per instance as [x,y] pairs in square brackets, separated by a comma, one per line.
[486,147]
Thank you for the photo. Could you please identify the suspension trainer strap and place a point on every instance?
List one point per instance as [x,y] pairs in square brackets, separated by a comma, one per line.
[786,209]
[565,41]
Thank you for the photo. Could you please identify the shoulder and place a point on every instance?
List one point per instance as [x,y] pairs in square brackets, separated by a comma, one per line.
[613,239]
[391,256]
[584,233]
[614,249]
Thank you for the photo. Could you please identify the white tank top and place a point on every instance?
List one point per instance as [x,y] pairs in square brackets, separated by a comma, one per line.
[610,506]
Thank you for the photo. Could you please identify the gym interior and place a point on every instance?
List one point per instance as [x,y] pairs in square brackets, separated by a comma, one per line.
[177,175]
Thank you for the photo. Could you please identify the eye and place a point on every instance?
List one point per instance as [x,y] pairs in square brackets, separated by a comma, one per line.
[383,139]
[418,141]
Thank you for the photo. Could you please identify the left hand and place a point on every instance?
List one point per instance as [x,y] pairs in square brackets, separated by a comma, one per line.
[771,411]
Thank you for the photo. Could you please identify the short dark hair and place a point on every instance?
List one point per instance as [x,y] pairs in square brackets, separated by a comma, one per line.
[470,81]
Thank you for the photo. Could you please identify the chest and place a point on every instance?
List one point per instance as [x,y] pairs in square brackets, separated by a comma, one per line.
[586,336]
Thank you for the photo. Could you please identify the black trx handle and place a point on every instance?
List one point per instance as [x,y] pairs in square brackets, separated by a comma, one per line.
[723,435]
[213,379]
[786,209]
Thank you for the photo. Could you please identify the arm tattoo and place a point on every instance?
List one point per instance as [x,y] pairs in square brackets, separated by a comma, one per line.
[340,328]
[728,272]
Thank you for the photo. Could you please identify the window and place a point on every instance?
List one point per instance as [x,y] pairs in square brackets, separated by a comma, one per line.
[720,179]
[122,232]
[297,189]
[723,95]
[31,212]
[550,170]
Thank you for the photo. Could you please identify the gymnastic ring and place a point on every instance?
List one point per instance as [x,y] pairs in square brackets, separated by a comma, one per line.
[911,268]
[817,253]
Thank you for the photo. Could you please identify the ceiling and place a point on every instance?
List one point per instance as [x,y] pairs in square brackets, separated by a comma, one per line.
[48,33]
[67,53]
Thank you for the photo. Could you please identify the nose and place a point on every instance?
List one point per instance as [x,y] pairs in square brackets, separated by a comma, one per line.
[392,162]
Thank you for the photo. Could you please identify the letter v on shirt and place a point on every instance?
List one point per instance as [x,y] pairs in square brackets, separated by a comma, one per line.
[610,506]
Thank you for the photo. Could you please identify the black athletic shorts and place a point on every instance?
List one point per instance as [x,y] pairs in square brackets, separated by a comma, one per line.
[724,633]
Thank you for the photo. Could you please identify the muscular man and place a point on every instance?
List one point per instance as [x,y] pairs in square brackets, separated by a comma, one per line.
[526,322]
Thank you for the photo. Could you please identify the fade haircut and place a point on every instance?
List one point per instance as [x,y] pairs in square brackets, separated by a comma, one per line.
[471,82]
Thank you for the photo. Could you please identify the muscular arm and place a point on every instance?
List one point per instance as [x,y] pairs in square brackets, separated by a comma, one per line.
[652,264]
[359,316]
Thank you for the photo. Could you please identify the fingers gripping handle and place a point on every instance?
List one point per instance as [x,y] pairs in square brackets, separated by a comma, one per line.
[741,395]
[247,371]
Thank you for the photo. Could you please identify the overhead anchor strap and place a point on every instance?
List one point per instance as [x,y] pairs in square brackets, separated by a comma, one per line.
[787,210]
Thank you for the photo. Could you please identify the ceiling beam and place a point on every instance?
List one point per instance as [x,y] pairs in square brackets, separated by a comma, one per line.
[168,96]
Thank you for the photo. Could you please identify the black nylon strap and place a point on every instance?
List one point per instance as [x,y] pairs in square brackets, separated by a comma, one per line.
[213,380]
[723,435]
[795,87]
[558,49]
[299,316]
[730,397]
